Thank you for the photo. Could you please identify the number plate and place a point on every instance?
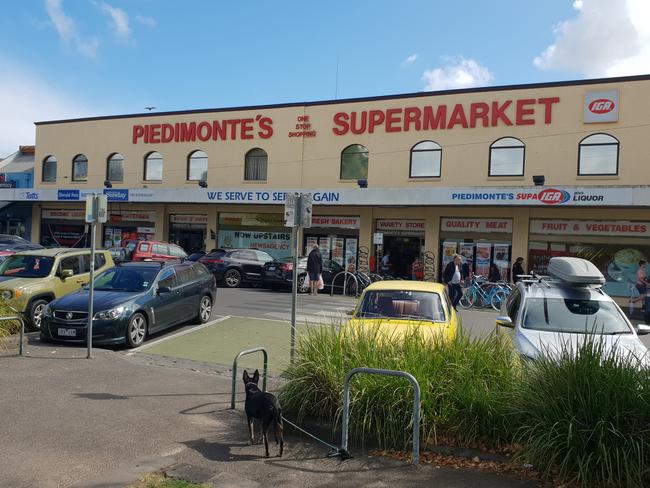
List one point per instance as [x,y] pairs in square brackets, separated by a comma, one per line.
[271,268]
[68,332]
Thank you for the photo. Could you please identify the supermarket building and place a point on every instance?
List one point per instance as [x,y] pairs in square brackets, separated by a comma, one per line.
[493,173]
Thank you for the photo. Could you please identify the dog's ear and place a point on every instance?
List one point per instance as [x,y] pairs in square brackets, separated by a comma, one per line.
[256,376]
[246,378]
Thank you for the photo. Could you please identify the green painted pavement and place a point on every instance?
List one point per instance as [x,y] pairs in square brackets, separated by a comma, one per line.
[221,342]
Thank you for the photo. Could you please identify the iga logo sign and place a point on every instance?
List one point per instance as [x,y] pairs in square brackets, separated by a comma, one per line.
[601,106]
[551,196]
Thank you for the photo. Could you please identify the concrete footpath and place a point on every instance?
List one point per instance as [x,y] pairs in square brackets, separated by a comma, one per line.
[68,421]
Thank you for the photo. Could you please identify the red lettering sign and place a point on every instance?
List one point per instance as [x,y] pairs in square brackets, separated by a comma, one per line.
[601,106]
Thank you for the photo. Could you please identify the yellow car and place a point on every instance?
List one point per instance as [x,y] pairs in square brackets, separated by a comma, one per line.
[397,307]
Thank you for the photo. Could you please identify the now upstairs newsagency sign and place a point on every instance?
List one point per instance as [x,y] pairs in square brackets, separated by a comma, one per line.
[556,196]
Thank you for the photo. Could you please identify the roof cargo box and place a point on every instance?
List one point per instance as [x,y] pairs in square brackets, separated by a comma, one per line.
[576,271]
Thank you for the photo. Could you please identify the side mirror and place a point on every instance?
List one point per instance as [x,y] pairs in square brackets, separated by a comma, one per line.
[163,289]
[505,322]
[67,273]
[642,329]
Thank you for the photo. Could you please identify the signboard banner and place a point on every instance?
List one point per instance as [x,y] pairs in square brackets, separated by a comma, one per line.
[619,228]
[277,244]
[476,225]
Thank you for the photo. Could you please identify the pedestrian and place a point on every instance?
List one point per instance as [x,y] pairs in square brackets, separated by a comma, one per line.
[494,275]
[314,269]
[417,269]
[451,276]
[385,263]
[518,269]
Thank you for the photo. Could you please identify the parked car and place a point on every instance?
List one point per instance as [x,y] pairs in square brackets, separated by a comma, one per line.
[395,307]
[118,254]
[155,251]
[558,313]
[279,274]
[30,280]
[235,267]
[131,301]
[195,256]
[11,244]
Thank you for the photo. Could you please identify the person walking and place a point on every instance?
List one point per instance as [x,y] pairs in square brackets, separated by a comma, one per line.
[451,277]
[518,269]
[314,269]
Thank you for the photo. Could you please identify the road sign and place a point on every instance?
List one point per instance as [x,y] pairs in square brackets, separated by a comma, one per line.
[96,208]
[291,203]
[305,210]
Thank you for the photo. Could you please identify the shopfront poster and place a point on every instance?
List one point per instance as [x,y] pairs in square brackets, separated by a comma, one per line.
[466,250]
[351,255]
[324,244]
[448,251]
[277,244]
[338,250]
[483,254]
[310,243]
[502,259]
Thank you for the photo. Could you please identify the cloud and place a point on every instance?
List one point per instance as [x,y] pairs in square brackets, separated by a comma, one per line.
[410,60]
[146,21]
[459,73]
[119,18]
[605,39]
[28,99]
[67,29]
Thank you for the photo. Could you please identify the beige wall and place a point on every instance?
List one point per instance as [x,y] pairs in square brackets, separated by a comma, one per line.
[551,149]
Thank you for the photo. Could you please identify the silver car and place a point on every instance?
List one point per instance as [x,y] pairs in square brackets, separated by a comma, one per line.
[550,315]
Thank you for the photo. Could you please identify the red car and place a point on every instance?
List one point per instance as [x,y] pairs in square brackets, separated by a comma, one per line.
[155,251]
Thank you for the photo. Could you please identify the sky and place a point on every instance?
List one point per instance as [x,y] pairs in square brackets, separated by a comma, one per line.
[76,58]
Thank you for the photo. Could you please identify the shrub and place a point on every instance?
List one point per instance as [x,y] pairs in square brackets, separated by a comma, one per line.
[7,328]
[587,414]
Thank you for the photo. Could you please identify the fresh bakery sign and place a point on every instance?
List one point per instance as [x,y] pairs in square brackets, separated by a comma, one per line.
[622,228]
[476,225]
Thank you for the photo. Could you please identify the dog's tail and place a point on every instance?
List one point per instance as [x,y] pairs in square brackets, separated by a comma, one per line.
[279,426]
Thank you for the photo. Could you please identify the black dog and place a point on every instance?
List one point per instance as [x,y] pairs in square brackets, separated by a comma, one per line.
[264,406]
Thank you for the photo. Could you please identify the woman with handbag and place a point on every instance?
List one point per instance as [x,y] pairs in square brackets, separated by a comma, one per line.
[314,269]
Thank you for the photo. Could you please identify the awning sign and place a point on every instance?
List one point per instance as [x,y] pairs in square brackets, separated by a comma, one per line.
[622,228]
[476,225]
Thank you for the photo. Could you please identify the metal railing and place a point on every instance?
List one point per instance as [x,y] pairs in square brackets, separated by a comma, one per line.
[415,456]
[345,282]
[22,330]
[234,371]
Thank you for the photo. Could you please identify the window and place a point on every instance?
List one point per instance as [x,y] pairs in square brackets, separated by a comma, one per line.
[115,167]
[425,160]
[507,157]
[167,278]
[354,162]
[176,251]
[153,167]
[144,247]
[80,168]
[71,263]
[263,256]
[185,275]
[255,166]
[161,249]
[100,260]
[197,166]
[49,170]
[598,155]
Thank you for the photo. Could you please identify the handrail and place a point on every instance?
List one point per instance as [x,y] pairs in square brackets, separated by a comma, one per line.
[234,371]
[415,456]
[22,330]
[345,282]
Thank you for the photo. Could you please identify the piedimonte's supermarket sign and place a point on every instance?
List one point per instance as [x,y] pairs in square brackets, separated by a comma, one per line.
[595,196]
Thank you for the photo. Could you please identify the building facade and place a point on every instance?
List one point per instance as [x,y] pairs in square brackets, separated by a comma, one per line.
[493,173]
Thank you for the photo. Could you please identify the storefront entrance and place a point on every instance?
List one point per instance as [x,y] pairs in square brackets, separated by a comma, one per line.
[64,228]
[129,225]
[404,241]
[337,238]
[188,231]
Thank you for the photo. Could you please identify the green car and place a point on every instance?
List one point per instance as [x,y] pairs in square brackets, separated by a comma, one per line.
[30,280]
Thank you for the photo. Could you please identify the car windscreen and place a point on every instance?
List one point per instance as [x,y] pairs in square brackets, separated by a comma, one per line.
[574,316]
[18,266]
[402,304]
[126,279]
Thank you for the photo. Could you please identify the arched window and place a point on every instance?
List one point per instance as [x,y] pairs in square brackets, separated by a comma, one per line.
[598,155]
[197,166]
[354,162]
[425,160]
[255,165]
[49,170]
[507,157]
[80,168]
[115,167]
[153,167]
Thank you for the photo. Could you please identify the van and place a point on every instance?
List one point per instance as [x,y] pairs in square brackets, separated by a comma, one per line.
[157,251]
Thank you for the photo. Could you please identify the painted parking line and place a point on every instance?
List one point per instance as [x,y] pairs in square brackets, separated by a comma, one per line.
[178,334]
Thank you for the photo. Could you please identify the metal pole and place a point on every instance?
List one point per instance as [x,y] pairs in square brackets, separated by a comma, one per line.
[22,335]
[91,285]
[294,292]
[234,371]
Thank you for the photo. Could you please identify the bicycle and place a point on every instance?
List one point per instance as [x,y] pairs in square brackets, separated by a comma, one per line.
[484,293]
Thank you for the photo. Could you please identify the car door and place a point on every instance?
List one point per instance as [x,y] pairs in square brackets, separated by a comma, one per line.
[190,287]
[251,267]
[68,285]
[166,305]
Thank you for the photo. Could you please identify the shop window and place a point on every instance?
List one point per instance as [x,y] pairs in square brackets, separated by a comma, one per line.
[598,155]
[197,166]
[425,160]
[115,168]
[507,157]
[153,167]
[80,168]
[354,162]
[255,165]
[49,170]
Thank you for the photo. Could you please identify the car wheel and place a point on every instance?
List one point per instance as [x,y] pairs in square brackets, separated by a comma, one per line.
[136,331]
[36,313]
[205,309]
[232,278]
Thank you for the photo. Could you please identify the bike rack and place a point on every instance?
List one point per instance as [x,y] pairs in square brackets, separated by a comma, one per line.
[234,371]
[345,282]
[415,456]
[22,330]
